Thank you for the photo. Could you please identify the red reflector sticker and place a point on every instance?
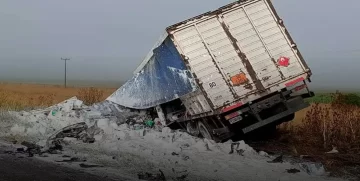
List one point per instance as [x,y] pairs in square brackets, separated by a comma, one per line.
[284,61]
[232,115]
[229,108]
[293,82]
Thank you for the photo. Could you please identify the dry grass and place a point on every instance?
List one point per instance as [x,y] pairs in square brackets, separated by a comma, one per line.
[29,96]
[90,95]
[319,128]
[328,126]
[331,125]
[323,127]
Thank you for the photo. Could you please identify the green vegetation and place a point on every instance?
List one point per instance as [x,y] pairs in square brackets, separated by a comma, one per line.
[325,98]
[348,99]
[328,98]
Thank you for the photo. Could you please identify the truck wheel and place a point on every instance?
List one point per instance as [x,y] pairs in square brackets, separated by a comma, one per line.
[192,129]
[204,130]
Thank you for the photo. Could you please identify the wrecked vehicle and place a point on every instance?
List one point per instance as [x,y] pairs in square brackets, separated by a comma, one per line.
[223,73]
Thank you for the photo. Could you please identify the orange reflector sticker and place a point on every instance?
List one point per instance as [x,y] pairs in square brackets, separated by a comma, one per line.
[239,79]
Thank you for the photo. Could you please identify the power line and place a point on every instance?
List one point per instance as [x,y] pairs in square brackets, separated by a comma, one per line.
[65,59]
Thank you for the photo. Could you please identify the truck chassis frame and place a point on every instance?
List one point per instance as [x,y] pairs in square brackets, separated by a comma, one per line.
[267,112]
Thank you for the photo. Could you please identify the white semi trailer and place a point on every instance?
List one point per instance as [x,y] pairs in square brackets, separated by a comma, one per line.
[226,72]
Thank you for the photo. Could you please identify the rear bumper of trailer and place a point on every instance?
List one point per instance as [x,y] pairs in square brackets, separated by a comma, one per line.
[293,105]
[265,112]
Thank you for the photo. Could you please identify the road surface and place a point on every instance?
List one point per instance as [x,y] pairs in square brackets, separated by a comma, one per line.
[22,168]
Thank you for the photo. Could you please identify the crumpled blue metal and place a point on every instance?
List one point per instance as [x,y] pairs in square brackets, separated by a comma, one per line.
[164,78]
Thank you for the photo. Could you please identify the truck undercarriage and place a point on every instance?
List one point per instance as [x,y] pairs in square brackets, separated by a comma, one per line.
[265,113]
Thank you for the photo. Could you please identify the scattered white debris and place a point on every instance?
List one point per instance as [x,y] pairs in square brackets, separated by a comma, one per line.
[316,169]
[69,140]
[37,127]
[166,130]
[18,129]
[262,153]
[122,141]
[334,150]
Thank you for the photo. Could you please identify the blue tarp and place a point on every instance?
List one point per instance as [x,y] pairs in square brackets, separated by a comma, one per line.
[163,78]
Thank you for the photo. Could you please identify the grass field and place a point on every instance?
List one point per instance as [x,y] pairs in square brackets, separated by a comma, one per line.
[27,96]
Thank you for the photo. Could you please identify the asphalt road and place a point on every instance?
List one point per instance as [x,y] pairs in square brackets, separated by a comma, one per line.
[13,168]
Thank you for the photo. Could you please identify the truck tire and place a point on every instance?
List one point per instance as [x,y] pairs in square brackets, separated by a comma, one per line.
[192,128]
[204,130]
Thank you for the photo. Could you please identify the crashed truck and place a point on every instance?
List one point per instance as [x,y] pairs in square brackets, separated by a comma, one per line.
[227,72]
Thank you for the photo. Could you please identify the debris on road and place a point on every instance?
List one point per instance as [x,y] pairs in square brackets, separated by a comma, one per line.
[186,158]
[334,150]
[152,177]
[293,170]
[73,159]
[83,165]
[183,174]
[182,177]
[56,148]
[278,159]
[107,135]
[315,169]
[263,153]
[9,152]
[20,150]
[240,146]
[31,146]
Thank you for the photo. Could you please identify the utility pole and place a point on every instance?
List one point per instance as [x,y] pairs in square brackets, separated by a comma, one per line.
[65,59]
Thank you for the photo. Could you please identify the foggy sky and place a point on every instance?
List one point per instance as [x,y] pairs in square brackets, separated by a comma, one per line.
[106,40]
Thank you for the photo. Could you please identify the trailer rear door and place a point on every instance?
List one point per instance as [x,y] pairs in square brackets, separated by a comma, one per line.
[213,59]
[237,51]
[261,38]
